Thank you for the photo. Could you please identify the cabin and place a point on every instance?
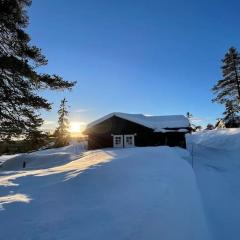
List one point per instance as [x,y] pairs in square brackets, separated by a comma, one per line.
[123,130]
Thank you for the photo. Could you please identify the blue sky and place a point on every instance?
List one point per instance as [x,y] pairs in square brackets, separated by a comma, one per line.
[154,57]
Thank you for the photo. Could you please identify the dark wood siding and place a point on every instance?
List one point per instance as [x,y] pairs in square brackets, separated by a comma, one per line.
[100,135]
[96,141]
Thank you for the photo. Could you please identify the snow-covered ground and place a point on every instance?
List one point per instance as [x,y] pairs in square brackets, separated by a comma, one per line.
[138,193]
[135,193]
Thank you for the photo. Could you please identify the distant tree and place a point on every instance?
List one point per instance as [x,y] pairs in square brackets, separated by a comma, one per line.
[198,128]
[19,80]
[62,132]
[36,139]
[193,126]
[209,127]
[231,118]
[189,115]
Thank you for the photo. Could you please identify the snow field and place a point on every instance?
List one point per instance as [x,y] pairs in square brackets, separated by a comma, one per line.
[137,193]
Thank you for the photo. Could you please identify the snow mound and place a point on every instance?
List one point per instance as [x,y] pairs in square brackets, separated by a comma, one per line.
[42,159]
[225,139]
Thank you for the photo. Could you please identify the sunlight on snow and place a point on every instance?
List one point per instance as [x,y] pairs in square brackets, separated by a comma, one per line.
[13,198]
[72,169]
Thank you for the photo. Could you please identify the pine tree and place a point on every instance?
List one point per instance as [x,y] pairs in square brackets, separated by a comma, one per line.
[36,139]
[19,80]
[228,88]
[230,115]
[62,131]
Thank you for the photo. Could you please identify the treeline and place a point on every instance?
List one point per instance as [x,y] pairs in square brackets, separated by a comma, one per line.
[20,82]
[41,139]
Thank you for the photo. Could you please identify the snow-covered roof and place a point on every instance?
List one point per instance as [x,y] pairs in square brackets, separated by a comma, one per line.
[157,123]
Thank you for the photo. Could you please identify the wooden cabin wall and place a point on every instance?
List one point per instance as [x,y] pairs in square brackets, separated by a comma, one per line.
[97,141]
[100,136]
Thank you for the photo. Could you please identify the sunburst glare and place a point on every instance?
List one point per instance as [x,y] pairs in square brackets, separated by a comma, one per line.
[76,127]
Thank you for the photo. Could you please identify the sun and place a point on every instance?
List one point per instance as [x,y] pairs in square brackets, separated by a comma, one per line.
[76,127]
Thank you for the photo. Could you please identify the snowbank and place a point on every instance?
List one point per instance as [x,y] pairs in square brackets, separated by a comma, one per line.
[216,163]
[42,159]
[227,139]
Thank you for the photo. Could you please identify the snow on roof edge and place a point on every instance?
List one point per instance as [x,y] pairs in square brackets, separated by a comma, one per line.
[156,123]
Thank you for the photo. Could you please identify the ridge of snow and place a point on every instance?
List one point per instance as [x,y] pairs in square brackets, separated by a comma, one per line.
[43,158]
[226,139]
[215,161]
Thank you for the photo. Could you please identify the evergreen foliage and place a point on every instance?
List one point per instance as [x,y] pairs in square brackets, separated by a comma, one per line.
[62,132]
[231,118]
[227,90]
[36,139]
[19,80]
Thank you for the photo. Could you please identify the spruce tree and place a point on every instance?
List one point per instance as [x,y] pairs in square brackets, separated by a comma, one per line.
[230,115]
[62,132]
[19,79]
[228,88]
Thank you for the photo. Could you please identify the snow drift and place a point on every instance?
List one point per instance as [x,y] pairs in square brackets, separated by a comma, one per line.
[42,159]
[216,163]
[227,139]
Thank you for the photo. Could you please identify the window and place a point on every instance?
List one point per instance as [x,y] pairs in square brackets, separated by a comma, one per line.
[118,140]
[129,140]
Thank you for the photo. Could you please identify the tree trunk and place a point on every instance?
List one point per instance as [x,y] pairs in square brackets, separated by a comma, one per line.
[237,81]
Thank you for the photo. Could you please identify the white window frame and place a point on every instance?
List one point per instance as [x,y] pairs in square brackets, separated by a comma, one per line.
[118,145]
[126,144]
